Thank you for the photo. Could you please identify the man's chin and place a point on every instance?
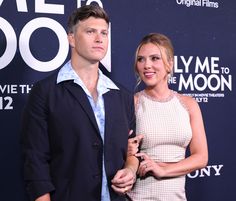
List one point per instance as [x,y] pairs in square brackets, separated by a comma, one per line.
[93,61]
[97,59]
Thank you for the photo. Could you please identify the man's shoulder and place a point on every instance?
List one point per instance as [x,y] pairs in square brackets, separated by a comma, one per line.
[48,80]
[46,84]
[122,88]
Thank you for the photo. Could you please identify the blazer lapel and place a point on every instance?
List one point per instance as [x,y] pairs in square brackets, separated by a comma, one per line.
[81,96]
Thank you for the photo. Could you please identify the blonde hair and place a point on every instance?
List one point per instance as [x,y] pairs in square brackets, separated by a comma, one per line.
[162,42]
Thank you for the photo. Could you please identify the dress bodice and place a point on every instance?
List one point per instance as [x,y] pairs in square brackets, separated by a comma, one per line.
[165,125]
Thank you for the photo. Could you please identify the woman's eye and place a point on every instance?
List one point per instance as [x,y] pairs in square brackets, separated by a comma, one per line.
[140,59]
[155,58]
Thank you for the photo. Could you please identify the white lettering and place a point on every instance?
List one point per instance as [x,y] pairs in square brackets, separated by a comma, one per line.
[225,70]
[185,63]
[214,65]
[195,174]
[214,78]
[42,7]
[3,89]
[25,88]
[204,81]
[217,169]
[200,82]
[24,44]
[187,83]
[11,40]
[202,66]
[206,172]
[176,69]
[78,3]
[203,3]
[225,82]
[6,103]
[33,25]
[22,6]
[172,80]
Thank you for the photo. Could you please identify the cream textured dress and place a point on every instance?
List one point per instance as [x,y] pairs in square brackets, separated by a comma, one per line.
[167,132]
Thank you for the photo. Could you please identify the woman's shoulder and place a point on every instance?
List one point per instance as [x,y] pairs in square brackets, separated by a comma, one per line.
[186,98]
[137,97]
[188,102]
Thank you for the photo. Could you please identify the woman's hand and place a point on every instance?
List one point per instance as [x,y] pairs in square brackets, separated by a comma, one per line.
[151,167]
[133,145]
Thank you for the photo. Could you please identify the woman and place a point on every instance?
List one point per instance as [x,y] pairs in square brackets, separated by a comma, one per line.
[169,123]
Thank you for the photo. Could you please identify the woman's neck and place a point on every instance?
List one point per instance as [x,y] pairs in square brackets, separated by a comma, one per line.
[158,93]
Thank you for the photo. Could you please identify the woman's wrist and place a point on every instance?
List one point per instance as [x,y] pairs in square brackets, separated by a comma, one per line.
[133,172]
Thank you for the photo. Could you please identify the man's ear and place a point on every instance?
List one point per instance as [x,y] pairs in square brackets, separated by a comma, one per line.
[71,39]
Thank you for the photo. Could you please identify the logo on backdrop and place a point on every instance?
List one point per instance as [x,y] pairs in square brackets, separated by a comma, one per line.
[198,3]
[31,27]
[208,171]
[201,78]
[9,91]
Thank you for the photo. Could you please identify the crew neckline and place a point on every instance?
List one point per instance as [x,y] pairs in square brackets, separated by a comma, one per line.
[161,100]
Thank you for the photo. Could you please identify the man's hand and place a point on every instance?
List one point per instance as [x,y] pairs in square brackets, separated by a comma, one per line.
[123,180]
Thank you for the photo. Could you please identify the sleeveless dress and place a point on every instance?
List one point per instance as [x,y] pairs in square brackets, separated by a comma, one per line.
[167,132]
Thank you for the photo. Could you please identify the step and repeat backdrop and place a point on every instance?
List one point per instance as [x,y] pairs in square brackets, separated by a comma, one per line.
[33,43]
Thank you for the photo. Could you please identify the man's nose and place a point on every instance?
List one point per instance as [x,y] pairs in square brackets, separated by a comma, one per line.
[98,38]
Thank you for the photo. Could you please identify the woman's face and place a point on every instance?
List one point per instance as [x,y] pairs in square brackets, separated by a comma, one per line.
[150,65]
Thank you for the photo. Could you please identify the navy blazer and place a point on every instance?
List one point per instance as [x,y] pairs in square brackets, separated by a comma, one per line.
[62,145]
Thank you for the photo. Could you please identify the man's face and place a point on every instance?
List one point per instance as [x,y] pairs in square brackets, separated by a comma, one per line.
[90,40]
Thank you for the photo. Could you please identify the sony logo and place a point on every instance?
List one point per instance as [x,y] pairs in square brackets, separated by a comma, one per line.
[210,170]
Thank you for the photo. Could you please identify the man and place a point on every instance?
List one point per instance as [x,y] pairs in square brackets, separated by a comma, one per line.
[76,123]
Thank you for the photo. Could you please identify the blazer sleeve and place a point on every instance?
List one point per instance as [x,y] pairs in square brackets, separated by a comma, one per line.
[131,114]
[35,144]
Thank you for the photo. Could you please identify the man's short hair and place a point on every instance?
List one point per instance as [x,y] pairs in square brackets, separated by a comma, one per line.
[83,13]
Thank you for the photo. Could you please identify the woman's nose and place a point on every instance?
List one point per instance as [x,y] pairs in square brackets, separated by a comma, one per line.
[147,64]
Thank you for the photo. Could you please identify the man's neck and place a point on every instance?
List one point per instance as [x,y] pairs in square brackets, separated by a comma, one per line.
[88,73]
